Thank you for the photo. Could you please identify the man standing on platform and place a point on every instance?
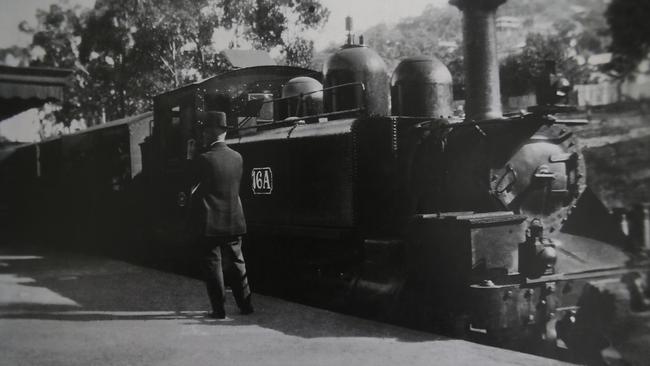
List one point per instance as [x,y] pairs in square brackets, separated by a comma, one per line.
[221,215]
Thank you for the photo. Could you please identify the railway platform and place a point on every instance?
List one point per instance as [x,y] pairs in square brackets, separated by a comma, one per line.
[73,309]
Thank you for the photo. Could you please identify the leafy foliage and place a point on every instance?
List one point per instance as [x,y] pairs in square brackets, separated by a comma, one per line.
[630,28]
[299,52]
[56,36]
[15,56]
[519,73]
[569,45]
[55,43]
[433,33]
[437,32]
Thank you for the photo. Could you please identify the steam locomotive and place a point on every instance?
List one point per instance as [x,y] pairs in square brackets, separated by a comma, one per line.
[367,190]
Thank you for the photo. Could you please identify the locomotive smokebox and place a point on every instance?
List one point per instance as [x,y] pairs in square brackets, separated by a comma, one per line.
[356,79]
[421,87]
[483,96]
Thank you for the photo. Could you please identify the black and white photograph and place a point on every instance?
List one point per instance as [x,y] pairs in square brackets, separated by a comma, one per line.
[325,182]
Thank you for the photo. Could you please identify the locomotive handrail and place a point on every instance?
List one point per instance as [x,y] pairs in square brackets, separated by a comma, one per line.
[301,95]
[360,83]
[511,118]
[464,124]
[294,120]
[571,122]
[496,121]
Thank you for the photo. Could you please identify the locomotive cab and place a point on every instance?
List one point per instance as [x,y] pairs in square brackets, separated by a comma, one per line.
[245,95]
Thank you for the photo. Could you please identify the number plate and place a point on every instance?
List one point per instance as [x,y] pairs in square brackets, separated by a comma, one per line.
[262,180]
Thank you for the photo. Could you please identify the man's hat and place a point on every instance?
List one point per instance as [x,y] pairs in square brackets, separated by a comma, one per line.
[212,119]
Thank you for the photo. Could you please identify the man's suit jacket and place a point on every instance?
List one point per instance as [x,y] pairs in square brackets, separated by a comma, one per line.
[220,171]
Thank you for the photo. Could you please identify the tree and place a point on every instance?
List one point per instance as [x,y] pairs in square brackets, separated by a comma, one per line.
[570,44]
[520,72]
[630,30]
[55,41]
[15,56]
[437,32]
[56,37]
[299,52]
[126,51]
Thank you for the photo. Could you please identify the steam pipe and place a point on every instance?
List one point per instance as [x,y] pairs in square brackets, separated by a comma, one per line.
[483,95]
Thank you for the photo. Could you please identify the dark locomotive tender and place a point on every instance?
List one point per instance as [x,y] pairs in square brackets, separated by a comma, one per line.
[411,215]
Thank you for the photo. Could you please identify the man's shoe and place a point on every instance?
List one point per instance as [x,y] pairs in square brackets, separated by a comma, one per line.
[217,315]
[245,310]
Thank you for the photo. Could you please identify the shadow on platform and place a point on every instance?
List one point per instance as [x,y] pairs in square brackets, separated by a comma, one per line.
[73,287]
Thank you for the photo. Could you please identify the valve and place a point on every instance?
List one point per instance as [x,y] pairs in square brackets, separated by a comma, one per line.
[565,327]
[538,253]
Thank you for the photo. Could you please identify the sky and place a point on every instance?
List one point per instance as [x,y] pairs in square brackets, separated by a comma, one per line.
[365,13]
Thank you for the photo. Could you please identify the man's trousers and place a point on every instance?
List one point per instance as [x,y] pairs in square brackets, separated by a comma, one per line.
[215,250]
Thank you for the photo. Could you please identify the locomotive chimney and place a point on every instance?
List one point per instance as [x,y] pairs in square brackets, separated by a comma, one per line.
[482,94]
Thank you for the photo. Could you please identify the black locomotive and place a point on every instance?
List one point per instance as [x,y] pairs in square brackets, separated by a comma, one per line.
[365,189]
